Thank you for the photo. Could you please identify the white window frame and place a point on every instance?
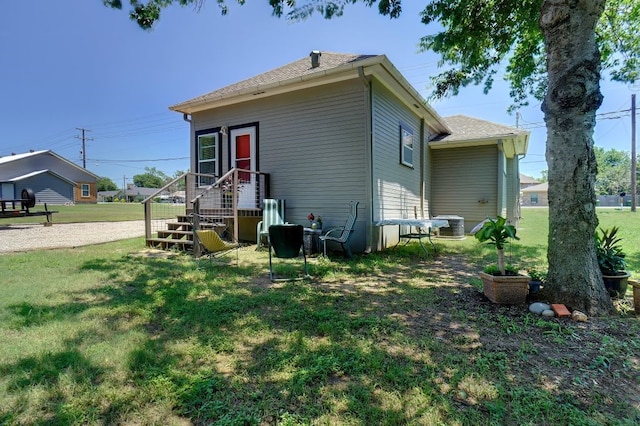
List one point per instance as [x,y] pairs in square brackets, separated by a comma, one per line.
[85,190]
[534,198]
[216,153]
[406,145]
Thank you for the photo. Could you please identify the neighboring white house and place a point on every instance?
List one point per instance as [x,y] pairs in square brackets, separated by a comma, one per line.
[334,127]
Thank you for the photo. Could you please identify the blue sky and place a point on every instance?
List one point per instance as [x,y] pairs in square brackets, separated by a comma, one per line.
[77,64]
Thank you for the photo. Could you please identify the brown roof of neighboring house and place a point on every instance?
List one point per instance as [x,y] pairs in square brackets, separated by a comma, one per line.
[543,187]
[527,179]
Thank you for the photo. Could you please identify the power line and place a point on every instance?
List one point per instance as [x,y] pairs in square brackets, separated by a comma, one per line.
[138,161]
[599,116]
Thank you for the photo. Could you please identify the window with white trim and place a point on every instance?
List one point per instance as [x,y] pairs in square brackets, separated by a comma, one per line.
[208,153]
[534,198]
[406,146]
[85,190]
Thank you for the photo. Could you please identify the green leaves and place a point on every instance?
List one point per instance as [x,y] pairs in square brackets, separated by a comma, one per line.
[496,232]
[478,36]
[611,257]
[618,36]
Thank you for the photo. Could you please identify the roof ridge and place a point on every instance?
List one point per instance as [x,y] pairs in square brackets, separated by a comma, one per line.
[295,69]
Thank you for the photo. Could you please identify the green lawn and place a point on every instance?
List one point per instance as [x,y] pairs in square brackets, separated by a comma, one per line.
[107,335]
[103,212]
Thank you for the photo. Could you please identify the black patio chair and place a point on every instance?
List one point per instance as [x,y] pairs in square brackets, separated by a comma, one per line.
[286,242]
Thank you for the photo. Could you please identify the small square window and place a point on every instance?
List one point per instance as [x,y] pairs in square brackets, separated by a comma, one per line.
[406,146]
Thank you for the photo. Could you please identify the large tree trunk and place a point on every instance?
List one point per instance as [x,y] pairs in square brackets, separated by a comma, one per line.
[573,96]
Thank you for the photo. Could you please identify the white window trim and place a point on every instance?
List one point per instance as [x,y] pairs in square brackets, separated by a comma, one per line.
[216,149]
[406,135]
[82,191]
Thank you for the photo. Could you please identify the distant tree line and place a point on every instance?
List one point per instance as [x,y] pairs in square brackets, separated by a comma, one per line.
[151,178]
[614,172]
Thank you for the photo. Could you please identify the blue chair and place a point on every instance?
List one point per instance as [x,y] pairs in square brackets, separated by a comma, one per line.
[272,214]
[287,242]
[343,234]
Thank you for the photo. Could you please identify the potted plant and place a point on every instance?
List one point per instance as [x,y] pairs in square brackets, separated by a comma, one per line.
[501,284]
[538,277]
[611,260]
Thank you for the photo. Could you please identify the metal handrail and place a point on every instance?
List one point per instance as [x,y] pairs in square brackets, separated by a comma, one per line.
[193,206]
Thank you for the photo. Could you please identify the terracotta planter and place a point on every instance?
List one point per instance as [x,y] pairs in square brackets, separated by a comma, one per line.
[506,289]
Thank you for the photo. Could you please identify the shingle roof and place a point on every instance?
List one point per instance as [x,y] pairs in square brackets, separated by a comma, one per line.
[543,187]
[293,70]
[527,179]
[469,128]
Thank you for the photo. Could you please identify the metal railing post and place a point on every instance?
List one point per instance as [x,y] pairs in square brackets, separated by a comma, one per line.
[195,225]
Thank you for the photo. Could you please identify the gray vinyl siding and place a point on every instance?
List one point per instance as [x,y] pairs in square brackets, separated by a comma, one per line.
[502,185]
[465,183]
[312,143]
[396,187]
[48,189]
[513,190]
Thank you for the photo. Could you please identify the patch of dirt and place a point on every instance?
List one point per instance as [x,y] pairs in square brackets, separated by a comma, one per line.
[155,254]
[594,362]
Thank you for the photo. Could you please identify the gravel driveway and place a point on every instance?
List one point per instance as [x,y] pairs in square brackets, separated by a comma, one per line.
[25,237]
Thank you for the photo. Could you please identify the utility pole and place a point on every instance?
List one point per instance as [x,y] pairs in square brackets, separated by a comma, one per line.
[124,188]
[634,183]
[84,150]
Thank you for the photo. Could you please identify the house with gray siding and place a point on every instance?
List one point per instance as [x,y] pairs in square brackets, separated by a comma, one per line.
[331,128]
[475,170]
[54,179]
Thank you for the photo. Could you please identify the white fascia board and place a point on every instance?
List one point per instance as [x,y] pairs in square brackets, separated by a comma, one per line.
[511,145]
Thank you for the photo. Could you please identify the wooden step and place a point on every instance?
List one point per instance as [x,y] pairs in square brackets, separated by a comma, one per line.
[169,243]
[179,225]
[186,226]
[176,234]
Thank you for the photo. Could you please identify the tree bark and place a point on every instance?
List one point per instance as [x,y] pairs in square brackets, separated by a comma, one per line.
[572,99]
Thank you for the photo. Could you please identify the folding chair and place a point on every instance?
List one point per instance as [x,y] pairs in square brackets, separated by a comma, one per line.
[286,242]
[343,234]
[213,245]
[272,214]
